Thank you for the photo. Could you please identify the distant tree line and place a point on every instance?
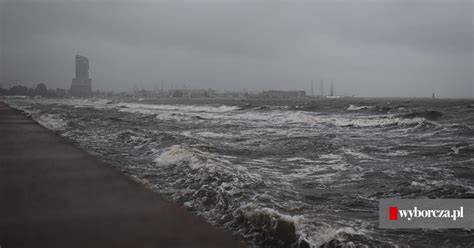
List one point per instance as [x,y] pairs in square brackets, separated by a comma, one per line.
[40,90]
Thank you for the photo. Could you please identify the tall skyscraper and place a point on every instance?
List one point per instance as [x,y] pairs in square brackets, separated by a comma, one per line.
[81,85]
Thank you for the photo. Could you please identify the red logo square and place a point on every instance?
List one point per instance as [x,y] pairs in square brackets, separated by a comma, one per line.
[393,213]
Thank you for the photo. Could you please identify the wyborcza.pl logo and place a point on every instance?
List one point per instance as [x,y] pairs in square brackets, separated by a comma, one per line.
[426,213]
[409,214]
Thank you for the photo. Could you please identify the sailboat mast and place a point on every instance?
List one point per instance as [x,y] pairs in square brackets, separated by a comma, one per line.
[321,89]
[332,88]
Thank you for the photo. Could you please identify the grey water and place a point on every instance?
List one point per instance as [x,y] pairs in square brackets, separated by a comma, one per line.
[284,173]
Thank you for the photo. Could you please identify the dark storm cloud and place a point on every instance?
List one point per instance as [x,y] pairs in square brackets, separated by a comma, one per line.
[388,48]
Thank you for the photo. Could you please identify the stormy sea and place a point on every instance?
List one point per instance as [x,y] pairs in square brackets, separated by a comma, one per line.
[284,173]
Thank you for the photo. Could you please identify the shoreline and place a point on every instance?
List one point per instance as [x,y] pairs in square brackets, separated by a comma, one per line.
[56,195]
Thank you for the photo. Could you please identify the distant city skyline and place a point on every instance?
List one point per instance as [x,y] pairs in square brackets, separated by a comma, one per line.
[383,48]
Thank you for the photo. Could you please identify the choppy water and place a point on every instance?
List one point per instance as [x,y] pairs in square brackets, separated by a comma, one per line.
[286,174]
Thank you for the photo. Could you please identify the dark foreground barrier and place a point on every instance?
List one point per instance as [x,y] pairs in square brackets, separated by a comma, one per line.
[52,194]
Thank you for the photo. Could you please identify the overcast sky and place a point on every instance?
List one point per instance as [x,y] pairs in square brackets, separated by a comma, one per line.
[368,48]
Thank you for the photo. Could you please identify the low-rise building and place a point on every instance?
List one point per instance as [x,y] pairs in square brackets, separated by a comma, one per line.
[191,93]
[283,93]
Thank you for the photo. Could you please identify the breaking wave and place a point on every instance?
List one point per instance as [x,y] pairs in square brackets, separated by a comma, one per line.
[152,108]
[357,121]
[281,230]
[214,187]
[355,108]
[51,121]
[429,115]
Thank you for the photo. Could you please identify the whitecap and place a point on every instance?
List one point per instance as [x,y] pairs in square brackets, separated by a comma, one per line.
[355,107]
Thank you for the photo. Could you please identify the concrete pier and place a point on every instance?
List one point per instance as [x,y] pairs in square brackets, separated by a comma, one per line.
[52,194]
